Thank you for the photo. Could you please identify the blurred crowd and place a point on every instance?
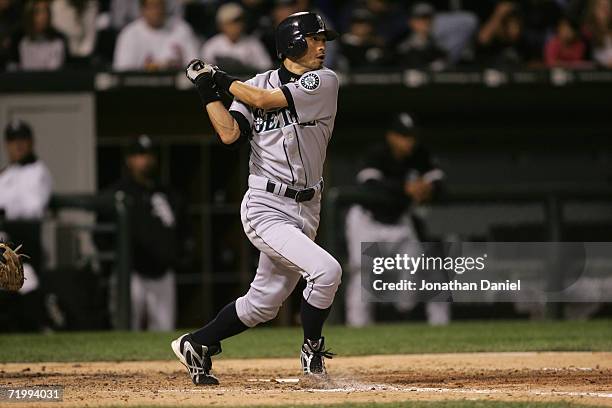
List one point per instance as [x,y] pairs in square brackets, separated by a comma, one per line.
[134,35]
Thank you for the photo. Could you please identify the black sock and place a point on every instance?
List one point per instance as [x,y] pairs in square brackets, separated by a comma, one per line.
[225,324]
[312,320]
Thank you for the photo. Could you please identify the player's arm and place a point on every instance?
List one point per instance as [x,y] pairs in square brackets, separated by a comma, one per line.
[226,125]
[258,97]
[249,94]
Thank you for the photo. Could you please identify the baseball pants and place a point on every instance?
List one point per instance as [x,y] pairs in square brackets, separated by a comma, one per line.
[284,231]
[362,227]
[153,302]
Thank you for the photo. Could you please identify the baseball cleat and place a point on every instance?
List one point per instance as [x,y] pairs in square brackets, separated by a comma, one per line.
[196,358]
[312,357]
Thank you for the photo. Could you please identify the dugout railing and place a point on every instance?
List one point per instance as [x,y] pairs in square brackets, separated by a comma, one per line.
[119,228]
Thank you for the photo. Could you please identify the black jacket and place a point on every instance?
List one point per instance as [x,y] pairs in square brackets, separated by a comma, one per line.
[382,174]
[160,236]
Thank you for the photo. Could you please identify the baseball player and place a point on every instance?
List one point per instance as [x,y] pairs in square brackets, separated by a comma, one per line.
[287,115]
[403,170]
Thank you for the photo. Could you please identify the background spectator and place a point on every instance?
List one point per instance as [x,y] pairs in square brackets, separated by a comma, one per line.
[10,19]
[76,19]
[232,48]
[566,47]
[281,10]
[389,18]
[123,12]
[254,12]
[154,41]
[418,48]
[598,29]
[38,46]
[501,40]
[360,46]
[454,31]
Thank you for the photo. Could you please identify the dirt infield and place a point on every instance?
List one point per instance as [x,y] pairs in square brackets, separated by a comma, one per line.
[577,377]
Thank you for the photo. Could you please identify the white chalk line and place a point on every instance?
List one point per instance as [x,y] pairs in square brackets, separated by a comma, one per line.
[381,387]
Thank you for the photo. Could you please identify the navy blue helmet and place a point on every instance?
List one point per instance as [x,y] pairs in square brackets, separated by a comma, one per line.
[291,33]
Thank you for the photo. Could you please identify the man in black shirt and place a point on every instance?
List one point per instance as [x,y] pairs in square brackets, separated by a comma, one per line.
[402,170]
[159,238]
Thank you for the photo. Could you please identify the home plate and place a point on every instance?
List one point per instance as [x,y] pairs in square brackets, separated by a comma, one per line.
[287,380]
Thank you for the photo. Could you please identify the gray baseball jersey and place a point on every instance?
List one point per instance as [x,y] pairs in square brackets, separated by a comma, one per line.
[288,146]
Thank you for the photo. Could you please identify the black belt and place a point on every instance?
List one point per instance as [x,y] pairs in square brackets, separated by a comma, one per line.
[298,195]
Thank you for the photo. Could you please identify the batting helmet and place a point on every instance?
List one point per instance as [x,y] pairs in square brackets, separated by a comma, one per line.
[291,33]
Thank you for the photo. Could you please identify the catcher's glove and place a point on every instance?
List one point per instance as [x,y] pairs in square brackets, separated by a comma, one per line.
[11,268]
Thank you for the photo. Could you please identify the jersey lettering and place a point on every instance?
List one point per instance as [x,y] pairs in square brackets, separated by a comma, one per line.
[265,121]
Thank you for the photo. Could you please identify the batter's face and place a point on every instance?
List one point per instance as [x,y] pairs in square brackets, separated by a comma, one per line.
[18,149]
[315,54]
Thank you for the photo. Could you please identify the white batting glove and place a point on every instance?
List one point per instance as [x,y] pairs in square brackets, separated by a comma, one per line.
[198,67]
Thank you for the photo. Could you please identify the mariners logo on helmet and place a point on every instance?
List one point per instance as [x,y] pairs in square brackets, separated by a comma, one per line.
[310,81]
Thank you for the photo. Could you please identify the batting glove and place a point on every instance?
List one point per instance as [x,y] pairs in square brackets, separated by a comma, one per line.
[200,74]
[223,79]
[196,68]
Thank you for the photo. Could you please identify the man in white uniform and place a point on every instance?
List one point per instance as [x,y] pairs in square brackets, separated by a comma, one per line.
[288,116]
[25,190]
[26,182]
[232,48]
[154,42]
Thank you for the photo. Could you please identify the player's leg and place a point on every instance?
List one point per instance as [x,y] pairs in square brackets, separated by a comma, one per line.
[195,349]
[358,229]
[138,301]
[271,286]
[290,247]
[161,302]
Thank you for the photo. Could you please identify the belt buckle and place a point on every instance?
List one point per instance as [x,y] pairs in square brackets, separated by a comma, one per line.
[305,195]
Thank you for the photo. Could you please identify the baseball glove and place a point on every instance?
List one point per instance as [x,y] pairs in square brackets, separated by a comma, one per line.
[11,268]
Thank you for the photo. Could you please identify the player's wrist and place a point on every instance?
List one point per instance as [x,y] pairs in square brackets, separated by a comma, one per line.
[224,80]
[207,89]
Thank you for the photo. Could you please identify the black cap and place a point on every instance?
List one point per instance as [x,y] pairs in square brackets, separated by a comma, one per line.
[17,129]
[284,3]
[362,15]
[421,10]
[143,144]
[403,123]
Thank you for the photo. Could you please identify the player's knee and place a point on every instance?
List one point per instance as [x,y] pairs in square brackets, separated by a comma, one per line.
[266,313]
[332,275]
[251,313]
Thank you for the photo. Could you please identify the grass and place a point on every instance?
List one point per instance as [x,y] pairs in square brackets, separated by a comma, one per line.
[492,336]
[434,404]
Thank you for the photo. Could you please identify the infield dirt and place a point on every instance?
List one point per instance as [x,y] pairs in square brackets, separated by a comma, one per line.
[577,377]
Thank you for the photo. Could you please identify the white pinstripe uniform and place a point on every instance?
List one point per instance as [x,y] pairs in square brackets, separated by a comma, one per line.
[288,148]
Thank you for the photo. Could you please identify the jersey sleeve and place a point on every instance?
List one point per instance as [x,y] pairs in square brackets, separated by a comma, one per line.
[243,115]
[428,166]
[242,108]
[314,96]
